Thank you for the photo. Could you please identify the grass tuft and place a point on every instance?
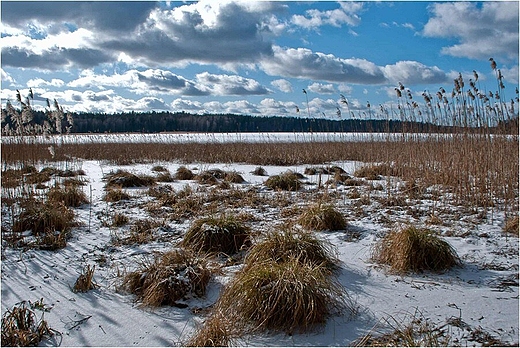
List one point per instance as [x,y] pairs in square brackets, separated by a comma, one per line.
[283,245]
[85,281]
[322,217]
[288,181]
[71,196]
[184,173]
[216,234]
[170,277]
[511,225]
[122,178]
[20,327]
[415,250]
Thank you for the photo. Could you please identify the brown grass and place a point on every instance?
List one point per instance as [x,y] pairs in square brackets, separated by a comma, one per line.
[322,217]
[123,178]
[71,196]
[288,181]
[415,250]
[279,246]
[288,296]
[184,173]
[116,195]
[170,277]
[21,328]
[85,281]
[223,234]
[511,225]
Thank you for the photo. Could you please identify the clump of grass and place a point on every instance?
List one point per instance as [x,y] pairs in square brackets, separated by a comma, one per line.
[123,178]
[414,249]
[322,217]
[85,281]
[170,277]
[224,234]
[217,331]
[43,217]
[142,232]
[233,177]
[288,296]
[414,332]
[21,328]
[374,172]
[71,196]
[119,220]
[511,225]
[288,181]
[116,195]
[159,169]
[207,178]
[259,171]
[184,173]
[280,246]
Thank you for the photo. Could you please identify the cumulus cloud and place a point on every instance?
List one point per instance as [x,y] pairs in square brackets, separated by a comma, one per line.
[283,85]
[412,72]
[230,84]
[304,63]
[345,14]
[6,77]
[321,88]
[482,31]
[38,82]
[157,81]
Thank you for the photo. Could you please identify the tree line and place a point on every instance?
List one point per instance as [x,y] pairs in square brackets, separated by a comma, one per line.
[155,122]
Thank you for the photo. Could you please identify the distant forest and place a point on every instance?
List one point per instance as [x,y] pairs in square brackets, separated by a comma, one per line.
[155,122]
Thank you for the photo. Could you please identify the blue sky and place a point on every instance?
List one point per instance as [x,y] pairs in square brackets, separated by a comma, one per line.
[251,57]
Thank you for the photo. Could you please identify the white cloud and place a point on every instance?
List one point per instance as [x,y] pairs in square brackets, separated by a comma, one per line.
[38,82]
[304,63]
[321,88]
[412,72]
[230,84]
[489,30]
[6,77]
[346,14]
[283,85]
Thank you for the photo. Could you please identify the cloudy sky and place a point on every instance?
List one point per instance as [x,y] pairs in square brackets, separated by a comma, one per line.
[250,57]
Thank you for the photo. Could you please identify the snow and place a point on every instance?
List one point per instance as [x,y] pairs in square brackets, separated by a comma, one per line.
[482,293]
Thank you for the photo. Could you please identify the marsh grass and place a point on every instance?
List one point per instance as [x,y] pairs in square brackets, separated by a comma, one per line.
[21,328]
[279,246]
[411,331]
[170,277]
[290,296]
[69,195]
[123,178]
[141,232]
[322,217]
[184,173]
[288,181]
[223,234]
[415,250]
[511,225]
[85,281]
[217,331]
[116,195]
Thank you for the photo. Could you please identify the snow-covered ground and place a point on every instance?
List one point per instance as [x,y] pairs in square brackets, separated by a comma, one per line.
[480,296]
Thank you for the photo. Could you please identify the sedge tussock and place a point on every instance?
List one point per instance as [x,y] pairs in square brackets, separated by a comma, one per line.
[85,281]
[288,181]
[224,234]
[21,328]
[288,296]
[415,250]
[322,217]
[280,246]
[170,277]
[71,196]
[122,178]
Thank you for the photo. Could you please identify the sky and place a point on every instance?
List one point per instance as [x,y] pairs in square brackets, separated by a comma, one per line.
[248,57]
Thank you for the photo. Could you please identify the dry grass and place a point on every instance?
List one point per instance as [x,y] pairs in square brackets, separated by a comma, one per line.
[170,277]
[21,328]
[322,217]
[85,281]
[71,196]
[416,331]
[414,250]
[184,173]
[116,195]
[141,232]
[511,225]
[122,178]
[288,181]
[280,246]
[217,331]
[288,296]
[223,234]
[374,172]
